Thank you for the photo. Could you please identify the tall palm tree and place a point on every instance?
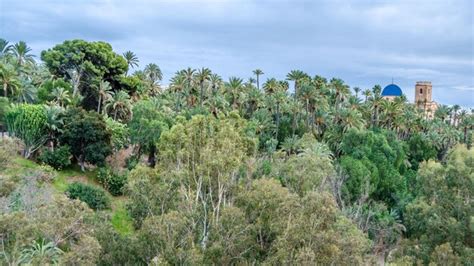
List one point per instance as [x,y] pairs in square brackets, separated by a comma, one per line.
[119,105]
[9,79]
[61,96]
[202,76]
[105,92]
[367,93]
[132,59]
[5,47]
[357,90]
[376,100]
[296,76]
[22,54]
[215,82]
[234,86]
[258,72]
[153,77]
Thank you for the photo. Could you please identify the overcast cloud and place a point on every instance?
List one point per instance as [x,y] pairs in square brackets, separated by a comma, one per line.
[362,42]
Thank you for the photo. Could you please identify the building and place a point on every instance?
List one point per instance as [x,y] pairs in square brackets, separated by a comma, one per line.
[391,91]
[423,98]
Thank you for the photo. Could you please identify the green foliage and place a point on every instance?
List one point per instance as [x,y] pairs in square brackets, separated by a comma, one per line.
[94,197]
[83,63]
[28,123]
[59,158]
[112,181]
[373,163]
[87,135]
[45,91]
[442,211]
[119,133]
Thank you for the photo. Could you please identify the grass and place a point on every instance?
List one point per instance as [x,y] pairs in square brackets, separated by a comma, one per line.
[121,221]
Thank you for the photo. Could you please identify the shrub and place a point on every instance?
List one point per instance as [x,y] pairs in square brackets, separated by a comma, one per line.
[94,197]
[7,152]
[58,158]
[131,162]
[113,182]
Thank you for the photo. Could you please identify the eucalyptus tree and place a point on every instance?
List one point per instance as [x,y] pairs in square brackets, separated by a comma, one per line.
[132,60]
[258,72]
[22,54]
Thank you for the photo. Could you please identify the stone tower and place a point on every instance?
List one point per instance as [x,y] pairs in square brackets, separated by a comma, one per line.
[423,98]
[423,92]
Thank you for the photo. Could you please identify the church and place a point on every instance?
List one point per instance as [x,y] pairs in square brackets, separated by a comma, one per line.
[423,96]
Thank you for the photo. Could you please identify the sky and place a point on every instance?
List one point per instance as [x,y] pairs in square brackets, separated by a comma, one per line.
[363,42]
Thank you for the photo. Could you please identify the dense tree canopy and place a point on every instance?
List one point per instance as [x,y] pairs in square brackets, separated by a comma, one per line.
[213,171]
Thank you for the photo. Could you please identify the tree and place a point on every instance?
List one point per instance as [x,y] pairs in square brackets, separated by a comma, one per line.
[5,48]
[61,96]
[8,79]
[131,58]
[234,87]
[87,135]
[119,106]
[105,93]
[296,76]
[22,54]
[146,127]
[257,72]
[28,123]
[441,214]
[153,76]
[83,64]
[202,75]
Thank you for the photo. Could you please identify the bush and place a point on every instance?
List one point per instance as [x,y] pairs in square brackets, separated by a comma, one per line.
[94,197]
[58,159]
[113,182]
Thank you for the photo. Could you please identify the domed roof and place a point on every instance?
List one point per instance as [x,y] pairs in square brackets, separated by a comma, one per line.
[392,90]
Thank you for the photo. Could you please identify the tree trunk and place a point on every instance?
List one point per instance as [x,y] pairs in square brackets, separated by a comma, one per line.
[152,156]
[98,106]
[81,163]
[258,83]
[5,85]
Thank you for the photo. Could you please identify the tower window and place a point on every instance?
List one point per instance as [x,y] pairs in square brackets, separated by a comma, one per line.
[421,91]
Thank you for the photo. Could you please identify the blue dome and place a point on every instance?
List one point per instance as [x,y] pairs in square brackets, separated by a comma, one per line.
[392,90]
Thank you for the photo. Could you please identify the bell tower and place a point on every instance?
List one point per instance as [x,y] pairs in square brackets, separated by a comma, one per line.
[423,92]
[423,98]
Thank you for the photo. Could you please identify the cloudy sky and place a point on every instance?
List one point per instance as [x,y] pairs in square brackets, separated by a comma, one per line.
[363,42]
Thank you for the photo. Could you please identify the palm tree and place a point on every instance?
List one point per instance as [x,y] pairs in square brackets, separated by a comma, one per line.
[9,79]
[21,52]
[54,123]
[215,82]
[61,96]
[132,60]
[367,93]
[153,76]
[357,90]
[105,93]
[376,100]
[271,86]
[119,105]
[234,87]
[26,92]
[296,76]
[202,75]
[5,48]
[257,72]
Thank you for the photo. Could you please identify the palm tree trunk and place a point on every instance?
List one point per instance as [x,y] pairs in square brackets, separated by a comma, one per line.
[98,106]
[152,156]
[258,82]
[5,86]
